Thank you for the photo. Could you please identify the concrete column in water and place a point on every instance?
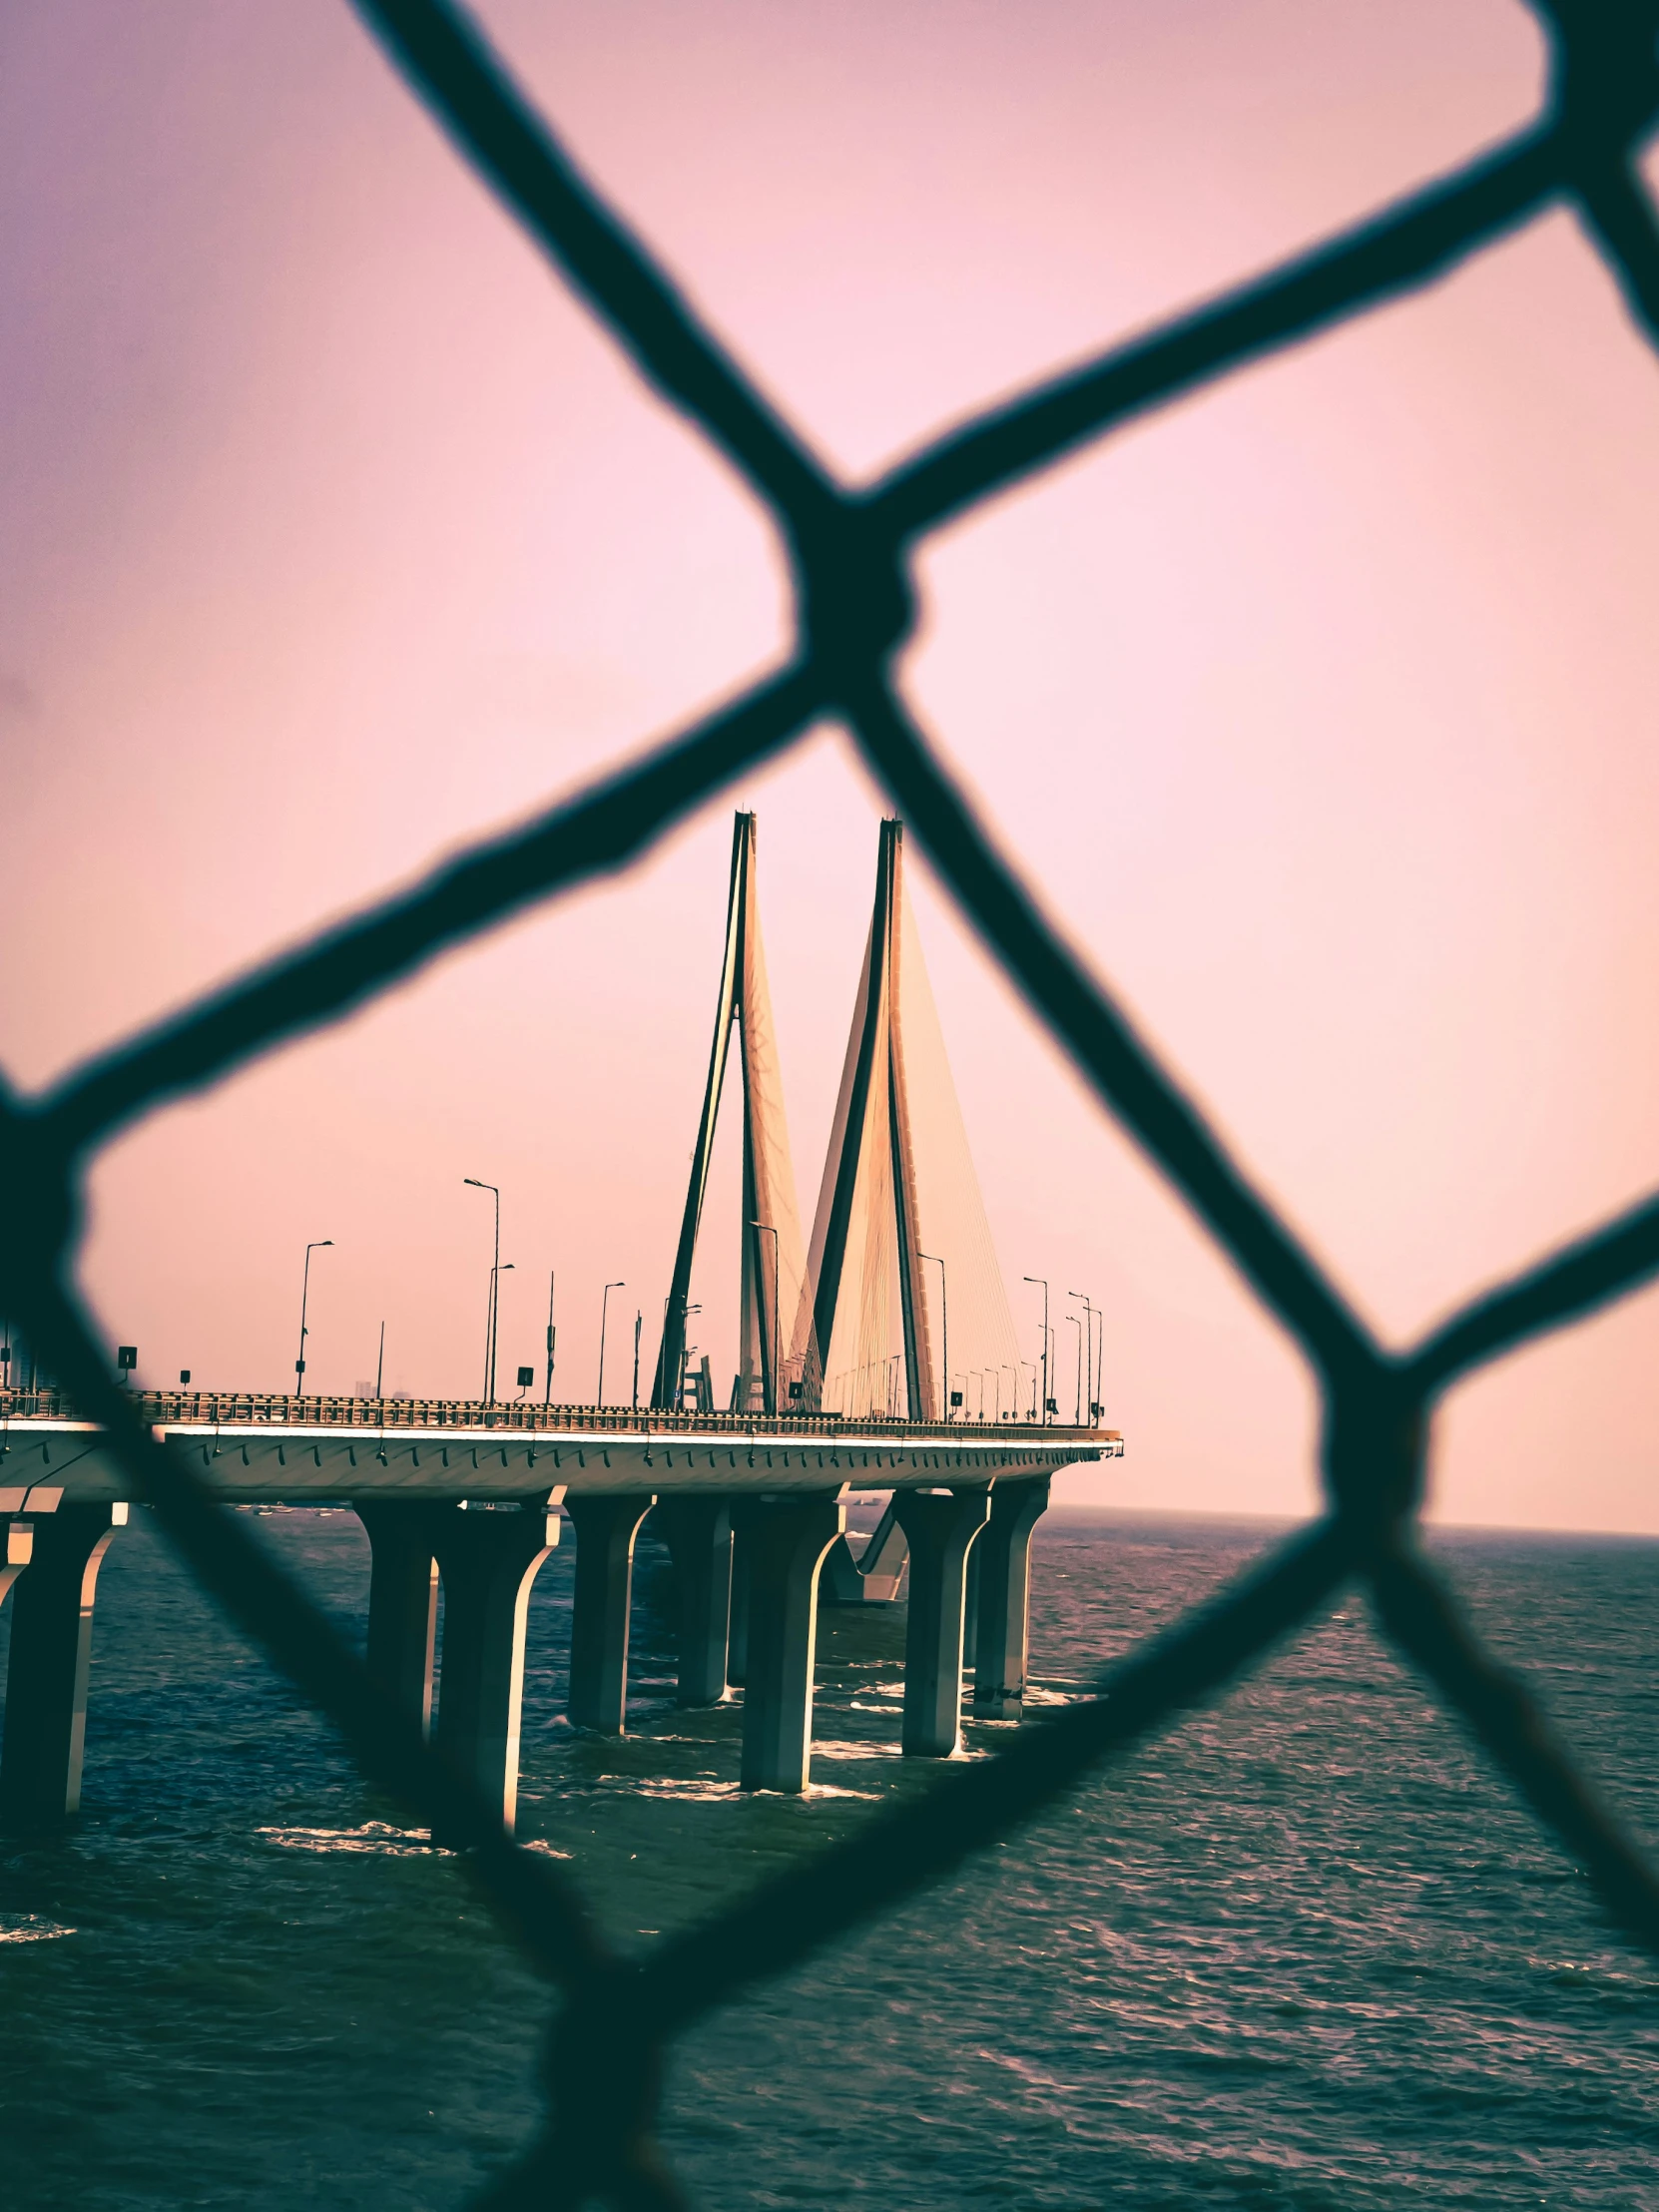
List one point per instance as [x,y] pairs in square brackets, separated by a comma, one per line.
[941,1526]
[698,1533]
[17,1541]
[1005,1552]
[788,1538]
[402,1600]
[51,1659]
[737,1635]
[606,1524]
[488,1559]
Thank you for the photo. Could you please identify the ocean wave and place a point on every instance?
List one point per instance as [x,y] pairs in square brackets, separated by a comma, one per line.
[374,1839]
[30,1928]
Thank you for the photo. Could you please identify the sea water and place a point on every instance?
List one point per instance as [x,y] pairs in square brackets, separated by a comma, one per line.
[1305,1951]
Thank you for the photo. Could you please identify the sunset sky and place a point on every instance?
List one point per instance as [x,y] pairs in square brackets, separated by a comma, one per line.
[1318,707]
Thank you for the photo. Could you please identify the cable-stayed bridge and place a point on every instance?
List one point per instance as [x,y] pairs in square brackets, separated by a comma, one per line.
[851,1348]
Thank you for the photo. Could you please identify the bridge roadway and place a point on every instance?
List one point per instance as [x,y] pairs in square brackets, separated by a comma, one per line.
[752,1509]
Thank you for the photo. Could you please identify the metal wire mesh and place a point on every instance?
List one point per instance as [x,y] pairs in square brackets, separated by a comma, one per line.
[848,548]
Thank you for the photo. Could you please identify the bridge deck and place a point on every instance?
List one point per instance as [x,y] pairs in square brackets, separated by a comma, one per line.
[270,1449]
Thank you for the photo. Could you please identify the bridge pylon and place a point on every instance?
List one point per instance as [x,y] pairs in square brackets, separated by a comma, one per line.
[774,1272]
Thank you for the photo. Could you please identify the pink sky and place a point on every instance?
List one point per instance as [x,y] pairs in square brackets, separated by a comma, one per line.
[1319,708]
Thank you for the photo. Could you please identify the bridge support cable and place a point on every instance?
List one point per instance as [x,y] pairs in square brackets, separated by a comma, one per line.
[489,1560]
[941,1527]
[606,1524]
[774,1270]
[697,1533]
[899,1193]
[1001,1628]
[788,1538]
[49,1666]
[403,1603]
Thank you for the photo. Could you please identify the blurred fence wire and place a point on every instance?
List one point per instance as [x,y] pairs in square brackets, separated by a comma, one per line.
[848,548]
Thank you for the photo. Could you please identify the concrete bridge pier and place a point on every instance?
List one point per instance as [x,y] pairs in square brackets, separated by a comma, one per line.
[51,1658]
[488,1559]
[940,1527]
[736,1634]
[874,1576]
[606,1526]
[697,1533]
[787,1541]
[1004,1553]
[970,1602]
[18,1538]
[403,1601]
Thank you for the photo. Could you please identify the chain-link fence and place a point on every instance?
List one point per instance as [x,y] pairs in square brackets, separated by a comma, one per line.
[848,548]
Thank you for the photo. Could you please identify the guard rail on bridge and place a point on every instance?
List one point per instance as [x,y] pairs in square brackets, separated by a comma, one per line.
[226,1408]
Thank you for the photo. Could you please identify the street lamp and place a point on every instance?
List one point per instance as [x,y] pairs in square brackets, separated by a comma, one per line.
[945,1327]
[1042,1282]
[1077,1416]
[320,1245]
[1089,1310]
[768,1402]
[473,1183]
[604,1309]
[551,1333]
[504,1267]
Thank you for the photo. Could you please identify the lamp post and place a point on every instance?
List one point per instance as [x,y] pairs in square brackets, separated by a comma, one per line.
[1077,1415]
[768,1402]
[1089,1310]
[501,1268]
[604,1310]
[495,1269]
[320,1245]
[639,1322]
[1043,1283]
[945,1327]
[550,1337]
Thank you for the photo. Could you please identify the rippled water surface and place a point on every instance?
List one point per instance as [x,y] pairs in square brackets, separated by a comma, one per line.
[1304,1952]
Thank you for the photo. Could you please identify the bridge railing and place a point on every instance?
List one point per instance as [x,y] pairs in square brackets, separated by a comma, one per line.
[232,1409]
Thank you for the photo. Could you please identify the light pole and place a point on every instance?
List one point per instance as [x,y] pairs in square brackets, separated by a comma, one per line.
[945,1327]
[502,1267]
[1077,1415]
[1043,1283]
[604,1309]
[638,1320]
[1097,1386]
[551,1279]
[1089,1310]
[1024,1363]
[495,1269]
[766,1229]
[380,1367]
[305,1293]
